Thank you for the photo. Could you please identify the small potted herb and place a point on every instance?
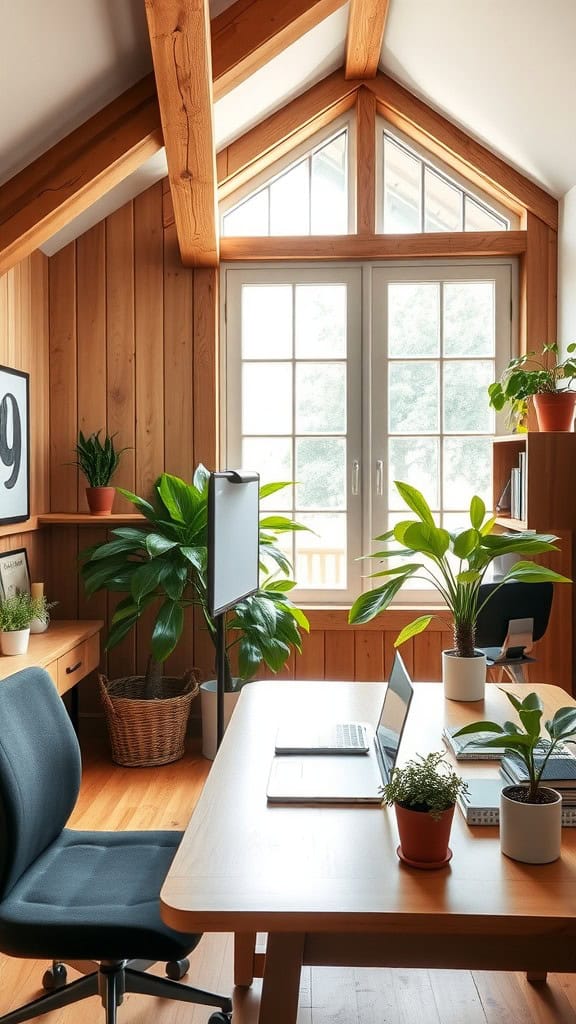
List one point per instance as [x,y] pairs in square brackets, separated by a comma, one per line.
[424,793]
[98,461]
[530,814]
[16,614]
[548,385]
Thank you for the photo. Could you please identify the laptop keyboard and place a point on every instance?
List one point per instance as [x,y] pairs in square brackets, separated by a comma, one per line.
[350,735]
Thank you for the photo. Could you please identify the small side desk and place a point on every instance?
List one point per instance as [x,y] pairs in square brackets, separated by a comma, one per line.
[68,650]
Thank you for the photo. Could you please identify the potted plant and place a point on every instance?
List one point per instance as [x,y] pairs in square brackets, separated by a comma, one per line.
[424,794]
[98,461]
[531,814]
[455,565]
[16,614]
[166,565]
[548,385]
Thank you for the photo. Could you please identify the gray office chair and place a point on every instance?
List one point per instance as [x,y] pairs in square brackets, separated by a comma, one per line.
[89,899]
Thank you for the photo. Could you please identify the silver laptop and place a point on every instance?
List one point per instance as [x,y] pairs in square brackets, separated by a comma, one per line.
[325,778]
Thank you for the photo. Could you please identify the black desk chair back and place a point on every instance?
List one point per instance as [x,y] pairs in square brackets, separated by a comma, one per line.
[90,899]
[515,617]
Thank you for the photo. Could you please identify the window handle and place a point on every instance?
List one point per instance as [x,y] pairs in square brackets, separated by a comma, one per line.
[355,477]
[379,477]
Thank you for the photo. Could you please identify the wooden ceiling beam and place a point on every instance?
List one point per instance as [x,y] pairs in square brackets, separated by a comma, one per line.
[470,158]
[251,32]
[374,247]
[180,38]
[78,170]
[366,26]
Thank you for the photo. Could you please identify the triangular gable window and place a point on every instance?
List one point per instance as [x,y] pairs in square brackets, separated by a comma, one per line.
[309,197]
[419,196]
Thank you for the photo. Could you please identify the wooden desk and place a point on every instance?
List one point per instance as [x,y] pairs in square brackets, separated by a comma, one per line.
[68,650]
[326,883]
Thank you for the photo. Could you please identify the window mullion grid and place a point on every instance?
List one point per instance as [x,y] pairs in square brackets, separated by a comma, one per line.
[441,409]
[293,544]
[422,196]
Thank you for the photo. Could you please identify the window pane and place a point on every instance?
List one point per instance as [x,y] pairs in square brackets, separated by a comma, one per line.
[272,458]
[442,204]
[321,321]
[250,218]
[329,206]
[266,321]
[467,471]
[413,320]
[413,460]
[289,202]
[469,318]
[466,406]
[476,218]
[402,176]
[320,398]
[321,555]
[266,398]
[413,398]
[321,473]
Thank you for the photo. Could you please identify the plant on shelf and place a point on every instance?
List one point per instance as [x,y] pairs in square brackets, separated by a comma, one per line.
[549,384]
[523,835]
[455,565]
[166,565]
[423,793]
[98,461]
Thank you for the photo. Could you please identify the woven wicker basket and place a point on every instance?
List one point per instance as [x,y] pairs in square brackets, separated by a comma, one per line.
[146,729]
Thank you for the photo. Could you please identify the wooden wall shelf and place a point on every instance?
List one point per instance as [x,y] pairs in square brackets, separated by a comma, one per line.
[85,519]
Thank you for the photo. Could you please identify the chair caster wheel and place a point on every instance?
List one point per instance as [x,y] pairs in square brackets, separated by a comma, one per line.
[220,1018]
[176,969]
[55,977]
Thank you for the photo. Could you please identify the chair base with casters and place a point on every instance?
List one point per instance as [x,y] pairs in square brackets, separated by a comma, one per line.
[84,898]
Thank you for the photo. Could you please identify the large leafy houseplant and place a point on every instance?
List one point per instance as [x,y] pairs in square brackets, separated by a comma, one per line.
[526,376]
[456,564]
[166,563]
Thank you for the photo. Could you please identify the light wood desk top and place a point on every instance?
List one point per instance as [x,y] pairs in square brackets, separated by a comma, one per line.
[68,650]
[328,879]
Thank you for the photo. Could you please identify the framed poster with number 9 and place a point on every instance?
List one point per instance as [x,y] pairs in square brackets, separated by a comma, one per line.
[14,446]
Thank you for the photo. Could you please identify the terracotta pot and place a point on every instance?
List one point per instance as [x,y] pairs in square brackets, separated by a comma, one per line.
[555,411]
[530,833]
[463,678]
[100,500]
[424,839]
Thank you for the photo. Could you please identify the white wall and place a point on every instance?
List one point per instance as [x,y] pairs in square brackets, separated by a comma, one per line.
[567,269]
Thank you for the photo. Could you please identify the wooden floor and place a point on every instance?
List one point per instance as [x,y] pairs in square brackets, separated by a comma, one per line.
[120,798]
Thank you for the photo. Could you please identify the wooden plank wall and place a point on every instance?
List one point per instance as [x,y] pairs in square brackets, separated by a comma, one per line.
[24,346]
[132,351]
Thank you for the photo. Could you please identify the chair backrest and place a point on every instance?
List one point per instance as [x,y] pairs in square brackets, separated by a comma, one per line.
[512,601]
[40,770]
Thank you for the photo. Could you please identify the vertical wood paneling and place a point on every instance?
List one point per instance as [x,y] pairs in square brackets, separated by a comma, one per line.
[178,360]
[91,338]
[369,655]
[339,655]
[120,347]
[36,362]
[149,323]
[311,663]
[535,286]
[206,386]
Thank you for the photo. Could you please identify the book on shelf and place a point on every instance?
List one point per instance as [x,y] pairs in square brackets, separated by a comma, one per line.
[481,804]
[522,485]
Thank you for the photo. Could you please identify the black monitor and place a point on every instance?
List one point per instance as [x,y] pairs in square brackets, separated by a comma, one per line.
[516,615]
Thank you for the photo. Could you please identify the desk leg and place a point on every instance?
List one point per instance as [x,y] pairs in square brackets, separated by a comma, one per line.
[281,985]
[244,949]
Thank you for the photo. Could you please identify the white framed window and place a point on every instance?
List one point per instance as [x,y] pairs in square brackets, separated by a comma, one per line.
[346,378]
[418,194]
[311,192]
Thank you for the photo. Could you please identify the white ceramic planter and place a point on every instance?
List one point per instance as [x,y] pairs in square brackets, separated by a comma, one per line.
[39,625]
[531,833]
[14,641]
[209,713]
[463,678]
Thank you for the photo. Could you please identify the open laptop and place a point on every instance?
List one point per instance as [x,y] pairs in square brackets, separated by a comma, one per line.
[325,778]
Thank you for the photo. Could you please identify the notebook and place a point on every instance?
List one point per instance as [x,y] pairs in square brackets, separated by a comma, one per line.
[329,778]
[481,804]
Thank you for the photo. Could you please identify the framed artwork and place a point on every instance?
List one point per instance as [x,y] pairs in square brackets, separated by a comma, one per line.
[14,573]
[14,446]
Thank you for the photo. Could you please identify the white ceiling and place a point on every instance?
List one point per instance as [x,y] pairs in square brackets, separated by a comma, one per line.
[504,70]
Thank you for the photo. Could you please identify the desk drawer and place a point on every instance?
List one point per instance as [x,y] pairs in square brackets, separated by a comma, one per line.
[78,662]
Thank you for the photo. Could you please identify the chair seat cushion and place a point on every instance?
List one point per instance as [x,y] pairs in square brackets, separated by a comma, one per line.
[94,896]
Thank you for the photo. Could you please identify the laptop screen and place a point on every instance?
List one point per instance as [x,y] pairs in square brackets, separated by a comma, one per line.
[393,715]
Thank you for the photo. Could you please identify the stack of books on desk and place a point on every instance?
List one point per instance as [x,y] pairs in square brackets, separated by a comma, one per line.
[481,804]
[559,773]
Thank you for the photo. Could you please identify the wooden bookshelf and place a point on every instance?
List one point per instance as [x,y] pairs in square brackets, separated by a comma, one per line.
[85,519]
[550,507]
